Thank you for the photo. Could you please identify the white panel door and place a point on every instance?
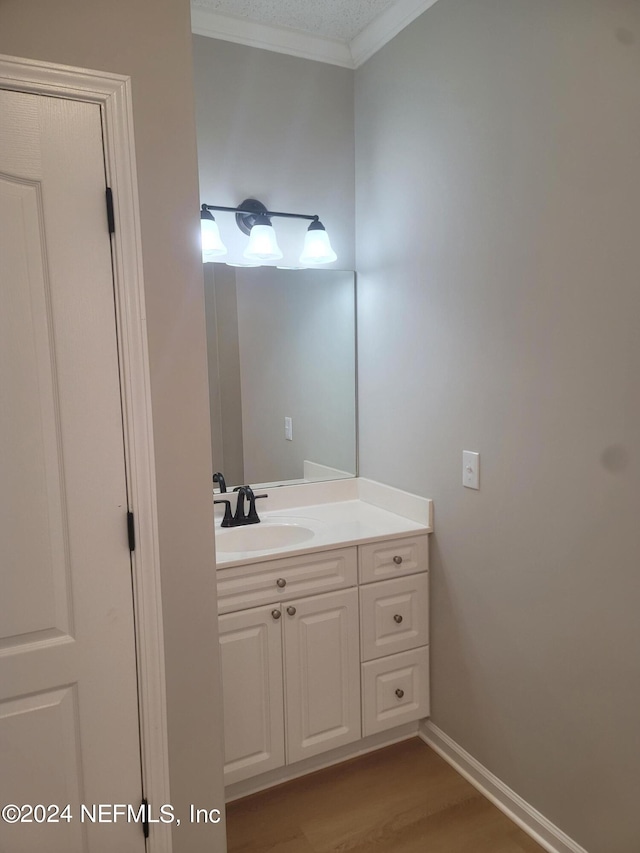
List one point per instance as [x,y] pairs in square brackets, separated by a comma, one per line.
[68,701]
[322,666]
[251,658]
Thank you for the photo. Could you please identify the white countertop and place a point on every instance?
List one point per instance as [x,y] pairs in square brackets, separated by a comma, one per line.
[346,513]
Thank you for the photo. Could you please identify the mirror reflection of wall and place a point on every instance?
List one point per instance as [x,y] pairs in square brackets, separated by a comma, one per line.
[281,344]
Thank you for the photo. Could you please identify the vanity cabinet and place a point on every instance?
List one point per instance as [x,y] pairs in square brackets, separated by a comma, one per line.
[320,650]
[297,662]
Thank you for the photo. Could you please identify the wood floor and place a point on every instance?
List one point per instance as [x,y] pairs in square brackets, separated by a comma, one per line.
[401,799]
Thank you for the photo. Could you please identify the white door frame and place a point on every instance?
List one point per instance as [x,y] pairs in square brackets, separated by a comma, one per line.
[112,92]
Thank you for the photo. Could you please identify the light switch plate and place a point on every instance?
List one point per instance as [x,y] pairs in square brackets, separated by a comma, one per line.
[470,469]
[288,429]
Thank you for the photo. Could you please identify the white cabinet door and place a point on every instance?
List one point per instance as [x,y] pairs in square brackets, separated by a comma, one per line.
[322,689]
[68,696]
[251,657]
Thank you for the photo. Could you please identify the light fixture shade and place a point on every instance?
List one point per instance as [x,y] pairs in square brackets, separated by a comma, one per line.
[212,245]
[317,248]
[263,244]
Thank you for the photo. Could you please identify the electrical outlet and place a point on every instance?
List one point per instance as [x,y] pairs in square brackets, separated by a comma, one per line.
[470,469]
[288,429]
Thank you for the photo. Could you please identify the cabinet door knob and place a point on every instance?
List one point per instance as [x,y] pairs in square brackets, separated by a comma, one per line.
[276,614]
[397,559]
[399,693]
[291,610]
[281,582]
[397,618]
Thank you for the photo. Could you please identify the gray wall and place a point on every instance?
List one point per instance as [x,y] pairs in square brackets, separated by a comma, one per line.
[150,41]
[498,142]
[280,129]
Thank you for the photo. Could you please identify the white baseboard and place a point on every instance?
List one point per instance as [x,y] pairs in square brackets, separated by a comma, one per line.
[545,833]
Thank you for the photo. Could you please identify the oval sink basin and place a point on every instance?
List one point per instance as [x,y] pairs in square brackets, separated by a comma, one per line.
[261,537]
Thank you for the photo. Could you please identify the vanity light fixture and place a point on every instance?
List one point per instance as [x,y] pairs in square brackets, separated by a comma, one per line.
[317,248]
[212,245]
[253,219]
[263,243]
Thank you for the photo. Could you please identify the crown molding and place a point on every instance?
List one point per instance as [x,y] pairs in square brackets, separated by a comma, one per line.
[383,28]
[207,22]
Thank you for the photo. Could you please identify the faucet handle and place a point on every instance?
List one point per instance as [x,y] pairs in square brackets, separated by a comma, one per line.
[228,519]
[252,517]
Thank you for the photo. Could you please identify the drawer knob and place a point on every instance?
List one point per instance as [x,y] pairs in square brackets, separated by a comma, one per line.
[399,693]
[397,559]
[276,614]
[397,618]
[281,582]
[291,610]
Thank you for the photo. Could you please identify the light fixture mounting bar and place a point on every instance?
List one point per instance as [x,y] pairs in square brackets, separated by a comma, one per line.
[292,215]
[251,211]
[268,213]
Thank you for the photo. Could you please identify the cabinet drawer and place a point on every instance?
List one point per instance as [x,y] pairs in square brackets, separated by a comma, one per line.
[384,560]
[395,690]
[241,587]
[394,616]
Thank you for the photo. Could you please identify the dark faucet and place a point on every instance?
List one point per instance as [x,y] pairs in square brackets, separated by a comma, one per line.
[252,516]
[218,478]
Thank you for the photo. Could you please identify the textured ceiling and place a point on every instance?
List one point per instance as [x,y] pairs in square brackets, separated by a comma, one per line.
[334,19]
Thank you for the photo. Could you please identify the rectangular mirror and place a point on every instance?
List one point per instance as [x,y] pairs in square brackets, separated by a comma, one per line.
[281,345]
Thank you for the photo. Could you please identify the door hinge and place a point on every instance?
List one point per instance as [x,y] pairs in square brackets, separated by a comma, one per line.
[131,531]
[111,217]
[145,822]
